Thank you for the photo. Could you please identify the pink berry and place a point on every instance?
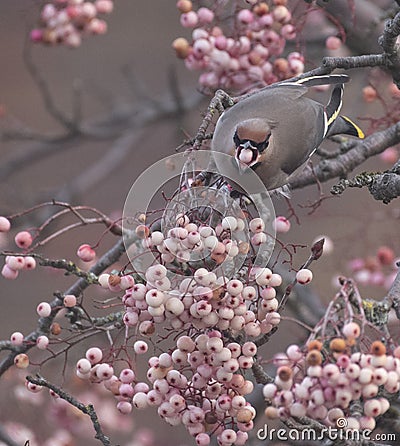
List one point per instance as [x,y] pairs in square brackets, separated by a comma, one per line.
[23,239]
[42,342]
[86,253]
[245,16]
[390,155]
[30,263]
[127,376]
[124,407]
[281,224]
[304,276]
[5,224]
[288,32]
[36,35]
[333,43]
[43,309]
[205,15]
[372,408]
[228,436]
[94,355]
[203,439]
[189,19]
[369,93]
[17,338]
[69,300]
[104,6]
[9,273]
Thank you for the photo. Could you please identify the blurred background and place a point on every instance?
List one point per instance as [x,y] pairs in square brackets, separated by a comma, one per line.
[121,81]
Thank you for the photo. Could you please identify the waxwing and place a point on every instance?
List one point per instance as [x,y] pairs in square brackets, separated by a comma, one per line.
[275,130]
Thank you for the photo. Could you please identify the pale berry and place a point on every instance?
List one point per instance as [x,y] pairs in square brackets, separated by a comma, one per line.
[17,338]
[124,407]
[84,365]
[351,330]
[263,276]
[34,388]
[69,300]
[42,342]
[205,15]
[304,276]
[140,400]
[276,280]
[372,408]
[103,280]
[140,347]
[5,224]
[9,273]
[127,376]
[126,390]
[94,355]
[189,19]
[43,309]
[23,239]
[203,439]
[16,262]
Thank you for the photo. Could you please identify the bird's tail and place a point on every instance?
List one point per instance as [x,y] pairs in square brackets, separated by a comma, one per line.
[336,124]
[345,126]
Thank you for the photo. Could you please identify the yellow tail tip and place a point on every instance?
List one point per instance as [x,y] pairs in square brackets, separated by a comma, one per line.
[358,132]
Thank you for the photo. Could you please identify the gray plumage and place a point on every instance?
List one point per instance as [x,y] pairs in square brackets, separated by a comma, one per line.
[275,130]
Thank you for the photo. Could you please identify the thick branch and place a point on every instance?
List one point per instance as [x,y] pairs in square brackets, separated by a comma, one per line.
[345,163]
[393,296]
[86,409]
[383,186]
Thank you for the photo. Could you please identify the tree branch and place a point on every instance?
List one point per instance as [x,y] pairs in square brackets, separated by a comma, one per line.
[44,323]
[346,162]
[86,409]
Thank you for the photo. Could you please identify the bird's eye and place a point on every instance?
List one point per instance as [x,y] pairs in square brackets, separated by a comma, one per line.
[263,145]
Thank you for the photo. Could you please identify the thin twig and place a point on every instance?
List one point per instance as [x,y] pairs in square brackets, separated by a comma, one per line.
[86,409]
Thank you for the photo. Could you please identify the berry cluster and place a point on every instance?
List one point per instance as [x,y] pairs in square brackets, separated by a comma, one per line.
[378,270]
[207,298]
[328,382]
[200,384]
[14,264]
[188,241]
[249,53]
[65,22]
